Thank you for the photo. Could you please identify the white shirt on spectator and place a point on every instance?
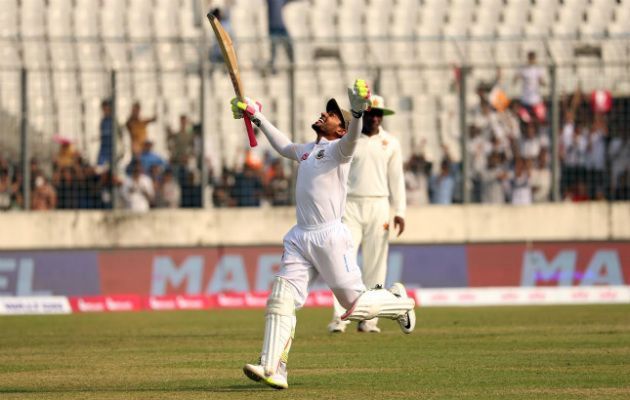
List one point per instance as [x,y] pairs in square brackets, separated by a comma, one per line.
[137,193]
[510,124]
[531,76]
[521,190]
[492,186]
[489,124]
[169,195]
[596,151]
[417,185]
[479,148]
[574,147]
[541,182]
[530,147]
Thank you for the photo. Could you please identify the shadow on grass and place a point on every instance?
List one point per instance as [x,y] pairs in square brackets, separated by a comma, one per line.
[248,387]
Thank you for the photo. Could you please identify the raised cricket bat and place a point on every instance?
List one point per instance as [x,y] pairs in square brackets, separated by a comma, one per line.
[229,55]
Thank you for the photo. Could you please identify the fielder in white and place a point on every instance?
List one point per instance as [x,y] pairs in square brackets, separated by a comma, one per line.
[320,244]
[376,182]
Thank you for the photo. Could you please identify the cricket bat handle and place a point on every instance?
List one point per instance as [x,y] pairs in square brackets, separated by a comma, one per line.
[250,132]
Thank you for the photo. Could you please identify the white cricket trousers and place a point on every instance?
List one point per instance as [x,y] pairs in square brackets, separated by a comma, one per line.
[368,221]
[325,250]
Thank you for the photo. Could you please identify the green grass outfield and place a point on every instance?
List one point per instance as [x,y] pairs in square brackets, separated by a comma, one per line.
[570,352]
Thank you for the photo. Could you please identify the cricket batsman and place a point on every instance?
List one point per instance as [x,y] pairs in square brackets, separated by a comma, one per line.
[319,244]
[376,183]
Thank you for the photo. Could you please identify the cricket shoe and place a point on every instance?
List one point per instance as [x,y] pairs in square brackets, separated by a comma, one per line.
[337,325]
[407,321]
[256,373]
[369,326]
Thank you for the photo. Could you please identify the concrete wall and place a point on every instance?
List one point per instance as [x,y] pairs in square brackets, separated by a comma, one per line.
[267,226]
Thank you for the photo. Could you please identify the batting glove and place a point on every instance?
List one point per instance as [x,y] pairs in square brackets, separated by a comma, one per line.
[250,107]
[359,97]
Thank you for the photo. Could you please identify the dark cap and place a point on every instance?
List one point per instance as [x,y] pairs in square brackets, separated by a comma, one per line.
[344,115]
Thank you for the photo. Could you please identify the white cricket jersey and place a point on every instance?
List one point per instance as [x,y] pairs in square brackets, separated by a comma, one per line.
[321,186]
[531,75]
[377,170]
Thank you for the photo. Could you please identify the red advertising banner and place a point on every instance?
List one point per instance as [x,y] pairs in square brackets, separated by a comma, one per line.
[319,298]
[549,264]
[188,271]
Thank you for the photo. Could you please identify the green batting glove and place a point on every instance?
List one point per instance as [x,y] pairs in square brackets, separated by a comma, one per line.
[359,97]
[248,106]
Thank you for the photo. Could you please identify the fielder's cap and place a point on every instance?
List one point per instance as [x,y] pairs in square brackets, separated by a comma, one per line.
[344,115]
[378,103]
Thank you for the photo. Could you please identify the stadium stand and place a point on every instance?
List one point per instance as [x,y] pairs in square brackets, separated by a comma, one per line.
[413,51]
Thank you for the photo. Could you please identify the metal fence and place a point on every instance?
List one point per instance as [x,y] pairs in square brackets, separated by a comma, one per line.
[140,133]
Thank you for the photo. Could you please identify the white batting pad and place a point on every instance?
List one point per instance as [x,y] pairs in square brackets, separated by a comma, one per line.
[279,326]
[378,303]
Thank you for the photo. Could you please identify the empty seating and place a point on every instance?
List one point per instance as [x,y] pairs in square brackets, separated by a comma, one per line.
[413,46]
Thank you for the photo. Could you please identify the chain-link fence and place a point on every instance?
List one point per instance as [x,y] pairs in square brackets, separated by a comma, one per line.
[484,120]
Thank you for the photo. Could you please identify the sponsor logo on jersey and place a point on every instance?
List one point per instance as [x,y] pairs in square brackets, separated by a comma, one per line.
[320,154]
[304,156]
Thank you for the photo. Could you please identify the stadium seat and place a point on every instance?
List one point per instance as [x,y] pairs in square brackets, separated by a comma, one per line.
[165,20]
[570,16]
[32,19]
[430,51]
[509,31]
[139,24]
[486,21]
[296,18]
[562,51]
[62,55]
[145,84]
[490,4]
[10,88]
[541,22]
[190,20]
[85,20]
[305,84]
[9,19]
[113,16]
[35,54]
[9,55]
[597,19]
[432,18]
[480,51]
[377,21]
[59,19]
[401,30]
[412,81]
[515,14]
[94,85]
[388,84]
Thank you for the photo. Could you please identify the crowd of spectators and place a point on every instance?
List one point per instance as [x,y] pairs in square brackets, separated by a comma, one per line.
[148,180]
[509,150]
[508,157]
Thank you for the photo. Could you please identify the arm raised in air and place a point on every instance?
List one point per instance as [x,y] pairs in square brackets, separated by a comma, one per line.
[278,140]
[359,97]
